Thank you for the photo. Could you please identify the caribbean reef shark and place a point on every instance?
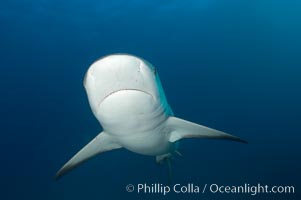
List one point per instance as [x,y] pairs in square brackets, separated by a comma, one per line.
[127,98]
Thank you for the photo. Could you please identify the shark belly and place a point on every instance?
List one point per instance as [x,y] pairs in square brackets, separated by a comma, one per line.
[151,143]
[135,120]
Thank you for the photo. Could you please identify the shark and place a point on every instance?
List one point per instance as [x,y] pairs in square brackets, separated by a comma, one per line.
[127,98]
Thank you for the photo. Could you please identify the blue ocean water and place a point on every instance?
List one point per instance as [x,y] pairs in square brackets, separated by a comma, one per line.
[231,65]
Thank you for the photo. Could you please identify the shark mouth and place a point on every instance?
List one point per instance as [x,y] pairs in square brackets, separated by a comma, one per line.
[121,90]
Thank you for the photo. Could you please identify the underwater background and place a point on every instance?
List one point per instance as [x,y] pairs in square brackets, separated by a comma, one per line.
[233,65]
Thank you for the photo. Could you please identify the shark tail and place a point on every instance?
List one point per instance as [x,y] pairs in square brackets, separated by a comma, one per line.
[168,158]
[170,177]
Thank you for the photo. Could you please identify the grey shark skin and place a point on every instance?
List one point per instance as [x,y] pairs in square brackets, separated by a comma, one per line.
[126,97]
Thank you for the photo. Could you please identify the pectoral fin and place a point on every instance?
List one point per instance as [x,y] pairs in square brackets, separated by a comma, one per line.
[180,129]
[101,143]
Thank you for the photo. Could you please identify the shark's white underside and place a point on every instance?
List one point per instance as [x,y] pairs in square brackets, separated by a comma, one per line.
[126,97]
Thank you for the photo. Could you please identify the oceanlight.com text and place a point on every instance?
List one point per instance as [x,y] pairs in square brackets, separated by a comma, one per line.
[251,189]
